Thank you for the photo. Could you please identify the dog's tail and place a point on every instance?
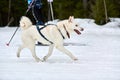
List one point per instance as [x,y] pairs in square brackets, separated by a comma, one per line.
[25,22]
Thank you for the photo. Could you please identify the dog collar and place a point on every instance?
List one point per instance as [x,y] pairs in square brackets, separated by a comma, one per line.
[68,35]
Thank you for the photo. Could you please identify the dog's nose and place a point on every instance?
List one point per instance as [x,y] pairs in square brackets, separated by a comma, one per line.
[82,29]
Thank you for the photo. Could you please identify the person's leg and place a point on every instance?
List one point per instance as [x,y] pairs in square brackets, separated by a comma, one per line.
[38,17]
[37,13]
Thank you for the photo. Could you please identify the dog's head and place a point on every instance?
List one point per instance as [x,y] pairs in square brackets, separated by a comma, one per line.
[25,22]
[73,26]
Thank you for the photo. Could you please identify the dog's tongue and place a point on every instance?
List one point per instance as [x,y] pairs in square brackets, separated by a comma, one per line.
[78,32]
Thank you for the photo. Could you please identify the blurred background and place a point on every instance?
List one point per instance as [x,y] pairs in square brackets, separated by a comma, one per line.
[100,10]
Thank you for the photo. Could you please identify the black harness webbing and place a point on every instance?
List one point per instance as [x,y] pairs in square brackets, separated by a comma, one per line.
[59,31]
[39,30]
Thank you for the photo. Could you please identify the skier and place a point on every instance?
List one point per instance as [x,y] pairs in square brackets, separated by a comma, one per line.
[36,7]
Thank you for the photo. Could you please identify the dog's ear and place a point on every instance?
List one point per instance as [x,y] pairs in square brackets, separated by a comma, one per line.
[71,18]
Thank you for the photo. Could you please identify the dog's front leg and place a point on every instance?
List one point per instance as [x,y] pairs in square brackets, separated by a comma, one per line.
[62,49]
[32,49]
[49,52]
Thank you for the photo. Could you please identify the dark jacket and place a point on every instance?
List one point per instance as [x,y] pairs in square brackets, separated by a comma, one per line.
[35,3]
[38,3]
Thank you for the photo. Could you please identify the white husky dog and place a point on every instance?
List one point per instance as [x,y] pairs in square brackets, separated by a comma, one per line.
[52,35]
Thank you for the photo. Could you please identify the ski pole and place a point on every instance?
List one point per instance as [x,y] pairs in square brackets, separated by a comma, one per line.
[51,11]
[12,36]
[11,20]
[30,6]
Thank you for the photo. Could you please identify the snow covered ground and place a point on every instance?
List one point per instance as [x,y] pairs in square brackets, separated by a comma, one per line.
[98,50]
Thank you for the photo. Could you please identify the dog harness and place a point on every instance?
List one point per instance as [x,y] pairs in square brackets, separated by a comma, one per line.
[60,32]
[67,33]
[39,30]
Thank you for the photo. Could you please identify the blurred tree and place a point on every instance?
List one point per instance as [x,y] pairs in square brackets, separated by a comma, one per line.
[3,12]
[98,10]
[62,10]
[17,7]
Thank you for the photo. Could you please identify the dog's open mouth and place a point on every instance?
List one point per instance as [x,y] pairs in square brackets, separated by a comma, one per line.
[77,31]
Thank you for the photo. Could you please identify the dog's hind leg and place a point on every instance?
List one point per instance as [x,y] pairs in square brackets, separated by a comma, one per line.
[62,49]
[19,50]
[49,52]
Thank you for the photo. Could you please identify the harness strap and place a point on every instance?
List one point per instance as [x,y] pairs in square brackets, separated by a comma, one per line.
[67,33]
[60,32]
[39,30]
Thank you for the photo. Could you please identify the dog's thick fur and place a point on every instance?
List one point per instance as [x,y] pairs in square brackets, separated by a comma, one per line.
[30,35]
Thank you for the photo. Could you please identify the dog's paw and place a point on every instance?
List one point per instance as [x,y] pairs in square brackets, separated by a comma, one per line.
[44,58]
[75,59]
[18,55]
[38,60]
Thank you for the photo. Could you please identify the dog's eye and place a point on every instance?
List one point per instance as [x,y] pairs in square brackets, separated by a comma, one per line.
[76,25]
